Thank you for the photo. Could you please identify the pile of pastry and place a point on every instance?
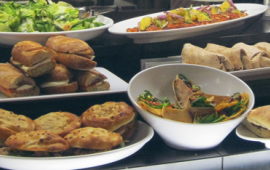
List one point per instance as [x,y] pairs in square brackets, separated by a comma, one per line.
[63,65]
[100,128]
[241,56]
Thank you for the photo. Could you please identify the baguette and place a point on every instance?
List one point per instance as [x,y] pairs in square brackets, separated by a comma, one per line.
[72,52]
[58,81]
[91,80]
[32,58]
[14,83]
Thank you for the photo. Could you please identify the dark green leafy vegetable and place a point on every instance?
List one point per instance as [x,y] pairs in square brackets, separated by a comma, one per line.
[188,83]
[200,102]
[39,16]
[211,118]
[153,101]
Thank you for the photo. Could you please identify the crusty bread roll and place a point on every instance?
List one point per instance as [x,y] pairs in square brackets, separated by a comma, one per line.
[32,58]
[72,52]
[60,123]
[15,84]
[70,45]
[93,138]
[40,140]
[91,80]
[11,123]
[258,121]
[110,115]
[58,81]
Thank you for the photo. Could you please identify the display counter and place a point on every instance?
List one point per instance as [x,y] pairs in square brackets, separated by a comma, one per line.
[122,57]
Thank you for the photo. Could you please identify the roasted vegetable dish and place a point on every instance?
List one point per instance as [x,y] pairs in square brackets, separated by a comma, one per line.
[40,16]
[189,17]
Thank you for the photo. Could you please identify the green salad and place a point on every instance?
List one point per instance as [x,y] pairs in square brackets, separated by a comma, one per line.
[39,16]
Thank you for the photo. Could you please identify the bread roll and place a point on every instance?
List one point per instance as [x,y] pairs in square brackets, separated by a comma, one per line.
[93,138]
[258,121]
[40,140]
[60,123]
[32,58]
[14,83]
[110,115]
[91,80]
[72,52]
[11,123]
[58,81]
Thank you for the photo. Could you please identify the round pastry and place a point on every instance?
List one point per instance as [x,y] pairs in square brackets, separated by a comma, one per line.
[93,138]
[110,115]
[60,123]
[37,141]
[11,123]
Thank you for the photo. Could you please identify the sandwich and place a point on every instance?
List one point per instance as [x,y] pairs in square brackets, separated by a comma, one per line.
[88,140]
[72,52]
[234,55]
[192,54]
[59,80]
[91,80]
[32,58]
[258,121]
[254,56]
[163,108]
[112,116]
[183,89]
[38,143]
[11,123]
[13,83]
[59,123]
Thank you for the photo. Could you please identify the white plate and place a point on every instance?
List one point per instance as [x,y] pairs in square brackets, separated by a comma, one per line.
[252,74]
[17,2]
[244,133]
[117,85]
[143,134]
[11,38]
[180,33]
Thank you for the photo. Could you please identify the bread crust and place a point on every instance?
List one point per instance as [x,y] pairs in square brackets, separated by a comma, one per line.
[68,88]
[11,123]
[110,115]
[60,72]
[257,130]
[102,86]
[75,61]
[36,71]
[30,53]
[40,140]
[64,44]
[93,138]
[260,116]
[86,78]
[60,123]
[72,52]
[11,78]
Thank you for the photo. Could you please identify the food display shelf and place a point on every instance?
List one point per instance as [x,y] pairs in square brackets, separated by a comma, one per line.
[232,153]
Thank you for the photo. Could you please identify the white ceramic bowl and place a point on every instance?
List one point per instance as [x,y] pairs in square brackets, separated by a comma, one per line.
[187,136]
